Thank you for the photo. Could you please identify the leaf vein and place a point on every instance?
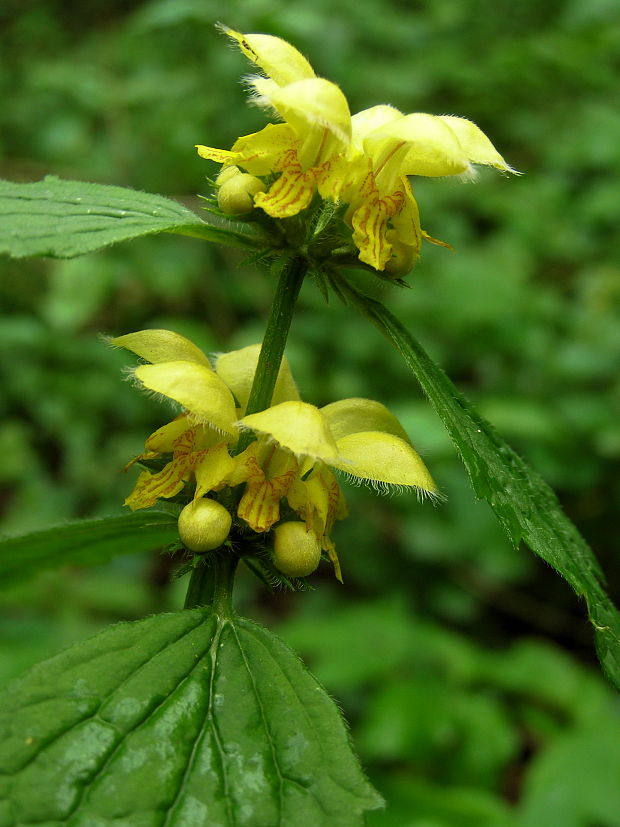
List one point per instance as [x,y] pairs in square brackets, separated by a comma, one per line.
[149,713]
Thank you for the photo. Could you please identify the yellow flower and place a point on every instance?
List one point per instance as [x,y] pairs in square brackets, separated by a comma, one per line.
[316,128]
[296,447]
[362,161]
[198,439]
[394,146]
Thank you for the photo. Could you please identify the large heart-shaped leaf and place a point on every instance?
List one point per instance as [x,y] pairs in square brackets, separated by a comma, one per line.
[69,218]
[185,719]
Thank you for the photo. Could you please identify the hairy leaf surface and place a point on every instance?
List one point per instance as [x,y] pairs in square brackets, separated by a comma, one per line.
[64,219]
[182,719]
[525,505]
[84,543]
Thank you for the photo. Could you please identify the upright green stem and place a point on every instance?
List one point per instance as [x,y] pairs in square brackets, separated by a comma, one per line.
[276,333]
[211,584]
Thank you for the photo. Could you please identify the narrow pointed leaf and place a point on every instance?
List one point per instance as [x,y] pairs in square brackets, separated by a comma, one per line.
[525,505]
[181,720]
[64,219]
[84,543]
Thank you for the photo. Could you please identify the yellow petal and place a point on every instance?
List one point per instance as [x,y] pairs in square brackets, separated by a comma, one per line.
[220,156]
[163,439]
[368,120]
[311,503]
[318,499]
[436,241]
[197,388]
[260,504]
[277,58]
[383,459]
[314,104]
[370,223]
[263,89]
[293,190]
[161,346]
[166,483]
[237,370]
[334,175]
[349,416]
[330,548]
[196,440]
[245,462]
[433,148]
[212,468]
[297,426]
[477,148]
[407,221]
[257,153]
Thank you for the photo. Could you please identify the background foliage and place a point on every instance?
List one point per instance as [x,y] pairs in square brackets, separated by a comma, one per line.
[485,706]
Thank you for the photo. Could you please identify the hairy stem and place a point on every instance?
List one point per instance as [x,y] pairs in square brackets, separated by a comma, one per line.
[276,333]
[211,584]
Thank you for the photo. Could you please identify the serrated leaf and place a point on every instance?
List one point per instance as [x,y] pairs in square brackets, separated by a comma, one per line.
[182,720]
[64,219]
[84,543]
[525,505]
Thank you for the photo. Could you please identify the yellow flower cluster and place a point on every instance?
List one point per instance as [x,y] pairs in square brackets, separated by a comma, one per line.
[296,447]
[361,161]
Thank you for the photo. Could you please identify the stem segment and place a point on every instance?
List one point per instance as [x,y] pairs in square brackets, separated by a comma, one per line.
[211,585]
[276,333]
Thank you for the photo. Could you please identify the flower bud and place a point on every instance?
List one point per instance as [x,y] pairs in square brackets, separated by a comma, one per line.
[403,256]
[296,551]
[226,173]
[204,525]
[236,194]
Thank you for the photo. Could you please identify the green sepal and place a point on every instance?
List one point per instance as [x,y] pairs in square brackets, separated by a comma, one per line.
[260,565]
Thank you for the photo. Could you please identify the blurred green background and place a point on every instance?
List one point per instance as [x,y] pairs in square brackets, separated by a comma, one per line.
[465,667]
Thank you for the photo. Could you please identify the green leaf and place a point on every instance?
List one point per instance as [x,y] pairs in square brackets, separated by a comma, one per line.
[577,778]
[183,719]
[64,219]
[84,543]
[525,505]
[416,802]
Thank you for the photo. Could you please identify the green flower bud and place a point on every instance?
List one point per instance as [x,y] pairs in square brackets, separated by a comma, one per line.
[204,525]
[296,551]
[403,257]
[226,174]
[236,195]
